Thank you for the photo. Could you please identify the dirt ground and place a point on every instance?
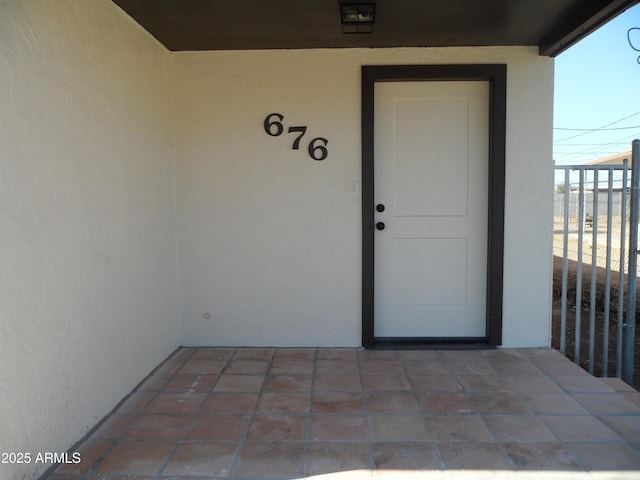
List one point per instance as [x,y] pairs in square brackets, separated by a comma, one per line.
[585,319]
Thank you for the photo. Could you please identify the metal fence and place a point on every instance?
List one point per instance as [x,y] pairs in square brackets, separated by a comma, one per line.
[595,205]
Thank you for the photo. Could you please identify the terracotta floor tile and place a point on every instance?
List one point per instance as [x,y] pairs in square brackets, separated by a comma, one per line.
[202,367]
[471,367]
[582,384]
[118,477]
[478,456]
[392,458]
[326,458]
[154,383]
[420,355]
[295,354]
[246,367]
[183,353]
[627,426]
[337,428]
[337,383]
[502,355]
[435,383]
[239,383]
[392,402]
[136,403]
[90,451]
[288,383]
[520,367]
[288,367]
[337,367]
[633,397]
[277,428]
[113,427]
[617,384]
[462,356]
[519,428]
[258,459]
[484,383]
[533,384]
[350,414]
[560,367]
[554,403]
[420,367]
[222,354]
[499,403]
[580,428]
[446,403]
[169,367]
[337,402]
[607,403]
[464,428]
[179,403]
[62,476]
[229,402]
[375,355]
[399,428]
[386,382]
[541,354]
[603,456]
[291,403]
[254,354]
[198,383]
[135,458]
[159,427]
[218,428]
[202,459]
[336,354]
[541,456]
[382,367]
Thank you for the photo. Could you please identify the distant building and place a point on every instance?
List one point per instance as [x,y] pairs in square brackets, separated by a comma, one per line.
[614,159]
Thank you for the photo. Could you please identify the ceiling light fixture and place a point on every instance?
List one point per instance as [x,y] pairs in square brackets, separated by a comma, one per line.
[357,17]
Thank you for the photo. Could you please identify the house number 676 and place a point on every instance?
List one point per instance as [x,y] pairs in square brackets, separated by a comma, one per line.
[317,148]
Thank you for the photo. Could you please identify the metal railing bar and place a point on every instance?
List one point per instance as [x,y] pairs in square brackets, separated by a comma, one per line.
[623,237]
[594,269]
[607,286]
[616,166]
[633,261]
[565,264]
[585,192]
[578,325]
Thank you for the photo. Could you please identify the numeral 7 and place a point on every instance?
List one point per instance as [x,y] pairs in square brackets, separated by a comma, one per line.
[296,142]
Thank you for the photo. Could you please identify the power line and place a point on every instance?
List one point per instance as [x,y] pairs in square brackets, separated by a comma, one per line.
[593,144]
[586,153]
[598,129]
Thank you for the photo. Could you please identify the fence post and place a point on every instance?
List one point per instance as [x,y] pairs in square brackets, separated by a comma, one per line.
[633,262]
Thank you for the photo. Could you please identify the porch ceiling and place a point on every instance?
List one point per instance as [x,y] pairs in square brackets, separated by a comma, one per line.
[552,25]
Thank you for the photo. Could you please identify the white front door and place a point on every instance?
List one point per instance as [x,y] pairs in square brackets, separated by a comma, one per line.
[431,208]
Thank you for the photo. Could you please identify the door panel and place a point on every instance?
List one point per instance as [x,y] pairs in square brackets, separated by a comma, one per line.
[431,175]
[414,256]
[427,129]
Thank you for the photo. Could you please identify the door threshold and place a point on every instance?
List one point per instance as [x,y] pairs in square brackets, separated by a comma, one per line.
[431,343]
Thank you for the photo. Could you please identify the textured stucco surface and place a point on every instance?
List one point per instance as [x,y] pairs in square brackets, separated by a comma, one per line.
[87,249]
[98,123]
[269,240]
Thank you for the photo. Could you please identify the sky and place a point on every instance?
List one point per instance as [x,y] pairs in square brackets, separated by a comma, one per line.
[597,93]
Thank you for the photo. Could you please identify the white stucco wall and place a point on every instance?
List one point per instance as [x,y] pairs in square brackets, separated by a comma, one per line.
[93,111]
[87,250]
[270,240]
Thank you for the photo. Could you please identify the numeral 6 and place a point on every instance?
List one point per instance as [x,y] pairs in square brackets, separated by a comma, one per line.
[318,152]
[269,125]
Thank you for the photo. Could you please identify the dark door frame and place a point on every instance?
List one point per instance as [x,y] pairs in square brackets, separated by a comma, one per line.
[496,75]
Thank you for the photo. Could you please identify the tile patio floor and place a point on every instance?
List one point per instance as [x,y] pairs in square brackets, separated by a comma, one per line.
[263,413]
